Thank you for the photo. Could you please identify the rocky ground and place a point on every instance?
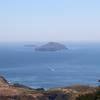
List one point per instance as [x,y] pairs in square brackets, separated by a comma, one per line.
[21,92]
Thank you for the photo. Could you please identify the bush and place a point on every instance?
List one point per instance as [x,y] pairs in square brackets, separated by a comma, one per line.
[87,97]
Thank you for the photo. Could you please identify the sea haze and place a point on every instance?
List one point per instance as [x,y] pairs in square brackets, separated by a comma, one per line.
[80,64]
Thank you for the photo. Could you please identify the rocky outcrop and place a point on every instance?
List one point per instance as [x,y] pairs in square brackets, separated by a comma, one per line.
[72,93]
[18,92]
[51,46]
[21,92]
[17,85]
[3,81]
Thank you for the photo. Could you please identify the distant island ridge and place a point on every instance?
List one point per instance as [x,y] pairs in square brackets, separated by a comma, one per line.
[51,46]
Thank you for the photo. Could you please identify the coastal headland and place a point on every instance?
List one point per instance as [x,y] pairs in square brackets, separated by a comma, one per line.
[10,91]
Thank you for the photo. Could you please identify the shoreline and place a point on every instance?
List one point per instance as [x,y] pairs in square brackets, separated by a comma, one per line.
[10,91]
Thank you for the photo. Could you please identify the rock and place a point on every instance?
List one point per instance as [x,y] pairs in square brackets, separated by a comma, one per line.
[72,93]
[40,89]
[58,95]
[51,46]
[21,86]
[3,81]
[98,80]
[18,92]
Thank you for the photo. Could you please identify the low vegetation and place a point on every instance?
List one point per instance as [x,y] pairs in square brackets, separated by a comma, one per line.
[21,92]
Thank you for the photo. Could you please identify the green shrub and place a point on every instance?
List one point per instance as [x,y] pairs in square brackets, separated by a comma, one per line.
[87,97]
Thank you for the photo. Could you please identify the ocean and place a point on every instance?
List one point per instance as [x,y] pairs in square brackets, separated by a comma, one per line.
[80,64]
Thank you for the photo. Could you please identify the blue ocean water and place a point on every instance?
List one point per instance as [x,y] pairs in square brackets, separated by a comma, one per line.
[80,64]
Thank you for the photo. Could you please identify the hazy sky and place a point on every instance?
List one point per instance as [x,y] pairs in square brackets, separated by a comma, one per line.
[49,20]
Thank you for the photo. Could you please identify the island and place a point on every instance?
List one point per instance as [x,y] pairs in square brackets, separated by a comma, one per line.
[51,46]
[10,91]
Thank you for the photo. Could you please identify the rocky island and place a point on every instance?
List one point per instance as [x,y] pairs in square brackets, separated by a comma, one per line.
[51,46]
[9,91]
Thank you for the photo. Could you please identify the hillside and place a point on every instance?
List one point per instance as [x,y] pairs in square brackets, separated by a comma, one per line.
[20,92]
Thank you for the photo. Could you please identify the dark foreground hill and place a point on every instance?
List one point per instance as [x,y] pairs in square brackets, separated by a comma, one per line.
[21,92]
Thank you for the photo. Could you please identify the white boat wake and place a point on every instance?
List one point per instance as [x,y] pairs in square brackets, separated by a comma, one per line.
[52,69]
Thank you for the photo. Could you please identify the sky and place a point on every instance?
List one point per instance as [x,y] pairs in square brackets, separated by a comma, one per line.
[49,20]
